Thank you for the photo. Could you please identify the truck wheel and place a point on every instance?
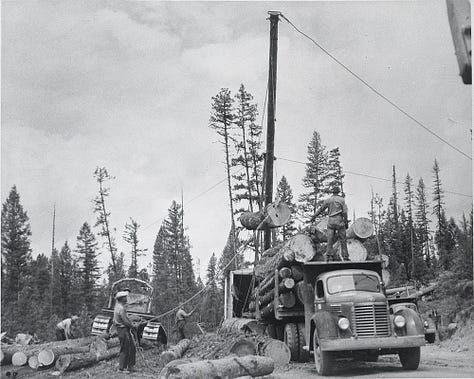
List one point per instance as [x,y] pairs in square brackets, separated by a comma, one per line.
[303,354]
[430,338]
[323,360]
[279,332]
[410,358]
[290,337]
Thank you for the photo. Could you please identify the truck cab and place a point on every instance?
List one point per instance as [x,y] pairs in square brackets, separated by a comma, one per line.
[347,315]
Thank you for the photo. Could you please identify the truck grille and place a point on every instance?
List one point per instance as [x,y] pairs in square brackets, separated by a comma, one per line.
[335,308]
[371,320]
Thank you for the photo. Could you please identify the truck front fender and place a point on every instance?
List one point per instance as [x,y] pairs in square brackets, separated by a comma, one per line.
[414,324]
[325,325]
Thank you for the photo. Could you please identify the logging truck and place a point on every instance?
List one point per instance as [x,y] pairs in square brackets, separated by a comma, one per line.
[333,310]
[138,310]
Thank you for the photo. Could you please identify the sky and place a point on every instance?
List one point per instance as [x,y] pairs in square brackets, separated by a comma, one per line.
[128,86]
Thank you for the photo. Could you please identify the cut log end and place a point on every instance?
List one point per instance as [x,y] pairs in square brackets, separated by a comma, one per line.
[46,358]
[19,359]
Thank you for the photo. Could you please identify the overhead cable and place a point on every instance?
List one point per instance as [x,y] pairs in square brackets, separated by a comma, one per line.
[376,91]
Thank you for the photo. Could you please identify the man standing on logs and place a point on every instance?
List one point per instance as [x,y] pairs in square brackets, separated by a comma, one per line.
[124,329]
[63,328]
[337,223]
[181,317]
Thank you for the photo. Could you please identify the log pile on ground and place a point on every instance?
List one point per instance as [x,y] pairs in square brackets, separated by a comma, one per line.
[281,267]
[67,355]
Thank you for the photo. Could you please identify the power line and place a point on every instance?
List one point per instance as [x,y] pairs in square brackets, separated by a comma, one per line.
[376,91]
[374,177]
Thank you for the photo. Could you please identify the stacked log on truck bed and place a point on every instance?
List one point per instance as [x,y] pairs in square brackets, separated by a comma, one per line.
[279,273]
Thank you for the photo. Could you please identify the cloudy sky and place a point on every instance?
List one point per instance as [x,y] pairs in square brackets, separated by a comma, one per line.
[128,86]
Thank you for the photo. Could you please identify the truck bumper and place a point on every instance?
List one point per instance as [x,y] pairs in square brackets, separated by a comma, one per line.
[372,343]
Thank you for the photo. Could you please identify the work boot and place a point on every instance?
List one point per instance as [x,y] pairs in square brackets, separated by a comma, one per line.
[132,369]
[124,370]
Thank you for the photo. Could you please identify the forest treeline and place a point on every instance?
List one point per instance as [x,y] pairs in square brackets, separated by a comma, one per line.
[423,243]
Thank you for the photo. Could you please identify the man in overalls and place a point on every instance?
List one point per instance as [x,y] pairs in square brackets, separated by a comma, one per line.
[337,223]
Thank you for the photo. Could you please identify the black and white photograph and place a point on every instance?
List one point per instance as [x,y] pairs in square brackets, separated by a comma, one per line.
[236,189]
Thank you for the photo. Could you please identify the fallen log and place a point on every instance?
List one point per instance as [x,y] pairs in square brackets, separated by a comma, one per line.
[277,350]
[175,352]
[222,368]
[30,350]
[69,362]
[46,358]
[33,362]
[19,359]
[243,347]
[274,215]
[98,346]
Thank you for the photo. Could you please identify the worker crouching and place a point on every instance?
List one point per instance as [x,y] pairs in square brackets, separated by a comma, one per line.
[122,323]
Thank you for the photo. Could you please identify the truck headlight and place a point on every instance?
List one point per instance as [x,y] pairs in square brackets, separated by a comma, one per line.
[343,323]
[399,321]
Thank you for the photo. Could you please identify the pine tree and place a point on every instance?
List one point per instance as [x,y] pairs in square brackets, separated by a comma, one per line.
[161,273]
[437,196]
[211,306]
[131,236]
[315,178]
[103,219]
[285,194]
[66,275]
[221,121]
[16,252]
[245,187]
[89,265]
[230,260]
[335,176]
[409,222]
[177,247]
[422,221]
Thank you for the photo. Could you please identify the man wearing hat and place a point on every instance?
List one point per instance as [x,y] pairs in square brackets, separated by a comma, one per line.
[337,223]
[63,328]
[123,325]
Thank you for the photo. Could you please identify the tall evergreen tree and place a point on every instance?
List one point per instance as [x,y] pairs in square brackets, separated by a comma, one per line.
[437,195]
[16,252]
[409,221]
[89,265]
[66,274]
[161,273]
[211,306]
[182,281]
[422,221]
[131,236]
[315,178]
[335,174]
[221,120]
[103,219]
[245,187]
[285,194]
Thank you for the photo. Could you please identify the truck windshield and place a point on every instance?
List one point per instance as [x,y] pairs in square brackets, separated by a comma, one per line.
[353,282]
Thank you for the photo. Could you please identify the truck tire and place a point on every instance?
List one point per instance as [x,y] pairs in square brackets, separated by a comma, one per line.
[303,354]
[290,337]
[430,338]
[410,358]
[323,360]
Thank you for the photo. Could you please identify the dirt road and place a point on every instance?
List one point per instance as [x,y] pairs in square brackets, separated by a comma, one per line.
[436,362]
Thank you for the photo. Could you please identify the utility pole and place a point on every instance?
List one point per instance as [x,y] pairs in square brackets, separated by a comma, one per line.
[52,259]
[270,152]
